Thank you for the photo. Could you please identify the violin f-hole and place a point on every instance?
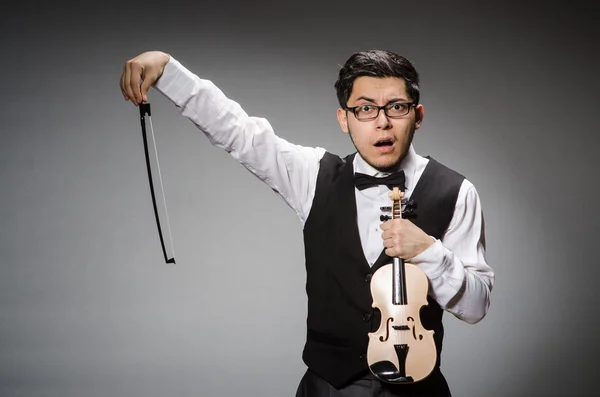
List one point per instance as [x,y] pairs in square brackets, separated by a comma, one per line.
[387,330]
[414,329]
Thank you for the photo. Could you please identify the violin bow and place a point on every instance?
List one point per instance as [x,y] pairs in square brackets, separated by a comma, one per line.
[160,210]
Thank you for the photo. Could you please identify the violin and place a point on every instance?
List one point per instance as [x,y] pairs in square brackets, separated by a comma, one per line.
[401,350]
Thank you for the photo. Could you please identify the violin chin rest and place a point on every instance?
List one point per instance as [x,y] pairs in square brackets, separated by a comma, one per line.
[387,372]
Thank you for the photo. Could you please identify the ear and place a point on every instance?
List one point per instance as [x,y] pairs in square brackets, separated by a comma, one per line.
[342,117]
[419,115]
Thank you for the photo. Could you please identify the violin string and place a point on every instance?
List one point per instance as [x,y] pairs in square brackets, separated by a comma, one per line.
[401,332]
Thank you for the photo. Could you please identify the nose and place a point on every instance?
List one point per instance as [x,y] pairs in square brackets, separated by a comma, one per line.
[383,121]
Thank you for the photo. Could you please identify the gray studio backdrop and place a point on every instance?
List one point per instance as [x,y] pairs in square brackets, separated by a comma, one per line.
[88,308]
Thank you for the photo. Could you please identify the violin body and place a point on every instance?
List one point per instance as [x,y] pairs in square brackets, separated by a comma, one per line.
[401,339]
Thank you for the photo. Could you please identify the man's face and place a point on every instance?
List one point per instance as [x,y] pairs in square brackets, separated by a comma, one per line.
[384,141]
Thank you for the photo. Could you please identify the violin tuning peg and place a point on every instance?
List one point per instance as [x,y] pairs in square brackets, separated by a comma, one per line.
[387,208]
[384,218]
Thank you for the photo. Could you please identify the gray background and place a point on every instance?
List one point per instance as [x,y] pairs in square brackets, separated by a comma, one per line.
[87,306]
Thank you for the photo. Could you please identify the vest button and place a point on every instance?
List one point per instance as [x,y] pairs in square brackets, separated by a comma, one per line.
[362,357]
[368,277]
[367,316]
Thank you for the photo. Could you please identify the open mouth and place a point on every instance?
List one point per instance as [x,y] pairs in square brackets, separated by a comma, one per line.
[384,146]
[384,142]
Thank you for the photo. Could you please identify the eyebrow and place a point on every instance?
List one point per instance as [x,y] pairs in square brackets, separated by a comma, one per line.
[388,102]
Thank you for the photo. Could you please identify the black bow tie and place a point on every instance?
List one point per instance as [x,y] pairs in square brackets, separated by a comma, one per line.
[395,179]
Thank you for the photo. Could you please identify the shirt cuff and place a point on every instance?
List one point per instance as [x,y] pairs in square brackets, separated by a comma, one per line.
[176,82]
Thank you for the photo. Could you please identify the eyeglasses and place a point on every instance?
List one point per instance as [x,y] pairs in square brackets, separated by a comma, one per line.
[393,110]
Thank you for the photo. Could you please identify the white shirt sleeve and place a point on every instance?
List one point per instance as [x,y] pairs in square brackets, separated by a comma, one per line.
[290,170]
[460,278]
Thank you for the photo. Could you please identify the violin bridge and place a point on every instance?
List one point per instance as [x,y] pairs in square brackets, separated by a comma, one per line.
[401,327]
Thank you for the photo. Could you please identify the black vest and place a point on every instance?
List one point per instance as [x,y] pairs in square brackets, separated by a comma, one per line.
[340,314]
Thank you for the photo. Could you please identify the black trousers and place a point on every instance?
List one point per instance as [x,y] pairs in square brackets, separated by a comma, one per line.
[312,385]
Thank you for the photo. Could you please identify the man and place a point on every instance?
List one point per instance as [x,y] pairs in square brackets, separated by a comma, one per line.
[345,240]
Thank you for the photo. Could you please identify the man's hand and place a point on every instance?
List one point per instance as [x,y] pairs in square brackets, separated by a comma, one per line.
[140,73]
[403,239]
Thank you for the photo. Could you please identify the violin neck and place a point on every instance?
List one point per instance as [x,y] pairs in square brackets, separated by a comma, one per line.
[399,279]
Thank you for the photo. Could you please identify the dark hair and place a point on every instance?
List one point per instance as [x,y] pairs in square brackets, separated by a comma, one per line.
[376,63]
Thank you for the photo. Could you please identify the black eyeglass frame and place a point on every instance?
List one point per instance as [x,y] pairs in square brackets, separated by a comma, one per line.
[385,110]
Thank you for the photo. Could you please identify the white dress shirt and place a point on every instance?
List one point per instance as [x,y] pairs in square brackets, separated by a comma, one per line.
[460,279]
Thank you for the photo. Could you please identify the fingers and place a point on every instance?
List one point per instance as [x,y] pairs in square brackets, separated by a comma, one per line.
[391,242]
[130,81]
[392,232]
[121,87]
[391,224]
[394,247]
[135,76]
[146,83]
[126,86]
